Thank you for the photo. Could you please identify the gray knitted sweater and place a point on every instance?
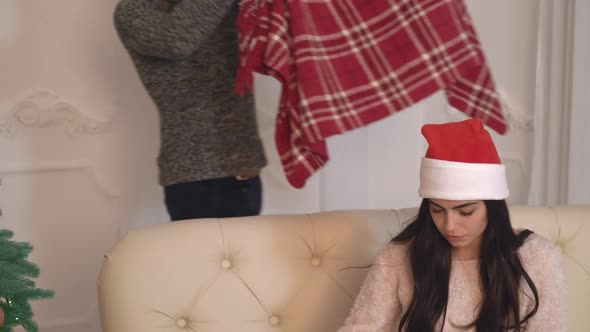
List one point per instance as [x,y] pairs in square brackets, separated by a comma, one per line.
[186,57]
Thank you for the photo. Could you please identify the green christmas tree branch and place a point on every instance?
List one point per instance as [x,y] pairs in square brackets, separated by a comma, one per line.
[16,285]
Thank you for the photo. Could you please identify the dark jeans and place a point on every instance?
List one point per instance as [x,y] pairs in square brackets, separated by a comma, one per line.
[214,198]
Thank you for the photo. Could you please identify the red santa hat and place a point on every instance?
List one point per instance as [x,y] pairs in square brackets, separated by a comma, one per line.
[461,163]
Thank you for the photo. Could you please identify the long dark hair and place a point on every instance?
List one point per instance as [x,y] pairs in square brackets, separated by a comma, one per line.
[500,273]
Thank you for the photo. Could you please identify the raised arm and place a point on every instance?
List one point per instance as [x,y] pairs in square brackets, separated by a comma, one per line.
[167,29]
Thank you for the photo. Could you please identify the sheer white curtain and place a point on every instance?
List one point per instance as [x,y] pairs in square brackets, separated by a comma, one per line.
[579,159]
[552,107]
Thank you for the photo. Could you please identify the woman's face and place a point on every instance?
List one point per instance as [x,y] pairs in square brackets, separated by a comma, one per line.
[462,223]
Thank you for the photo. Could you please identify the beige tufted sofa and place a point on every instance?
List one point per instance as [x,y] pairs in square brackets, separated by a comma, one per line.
[289,273]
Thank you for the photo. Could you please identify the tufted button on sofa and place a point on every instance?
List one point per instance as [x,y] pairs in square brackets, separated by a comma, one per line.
[290,273]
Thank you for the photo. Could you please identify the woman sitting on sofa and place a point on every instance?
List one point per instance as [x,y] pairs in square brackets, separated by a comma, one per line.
[460,266]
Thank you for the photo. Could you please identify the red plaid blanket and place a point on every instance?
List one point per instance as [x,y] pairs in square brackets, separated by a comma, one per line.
[347,63]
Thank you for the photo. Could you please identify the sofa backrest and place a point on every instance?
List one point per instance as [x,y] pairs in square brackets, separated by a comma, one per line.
[284,273]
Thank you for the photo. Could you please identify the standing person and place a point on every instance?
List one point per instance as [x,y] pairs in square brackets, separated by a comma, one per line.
[186,54]
[460,266]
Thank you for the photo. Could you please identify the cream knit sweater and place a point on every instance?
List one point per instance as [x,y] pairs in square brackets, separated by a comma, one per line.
[387,290]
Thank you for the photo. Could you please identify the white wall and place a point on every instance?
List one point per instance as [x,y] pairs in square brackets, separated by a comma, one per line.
[61,128]
[79,139]
[371,167]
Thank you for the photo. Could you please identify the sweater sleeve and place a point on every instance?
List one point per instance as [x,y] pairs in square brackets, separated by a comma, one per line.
[551,286]
[377,306]
[160,29]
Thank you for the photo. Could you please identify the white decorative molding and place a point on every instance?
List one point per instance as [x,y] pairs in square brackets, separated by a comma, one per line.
[44,108]
[49,166]
[7,128]
[89,319]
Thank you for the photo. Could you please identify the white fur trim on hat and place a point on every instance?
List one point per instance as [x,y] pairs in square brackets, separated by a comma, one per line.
[441,179]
